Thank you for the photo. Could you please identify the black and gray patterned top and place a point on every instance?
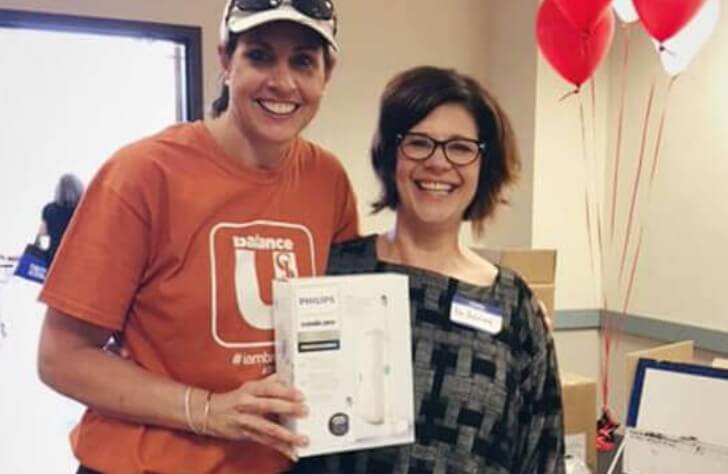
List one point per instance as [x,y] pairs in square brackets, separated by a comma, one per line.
[485,403]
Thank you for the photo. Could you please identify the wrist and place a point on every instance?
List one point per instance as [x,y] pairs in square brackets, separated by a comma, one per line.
[206,413]
[194,403]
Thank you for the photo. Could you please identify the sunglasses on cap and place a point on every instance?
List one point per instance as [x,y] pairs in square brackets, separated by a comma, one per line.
[316,9]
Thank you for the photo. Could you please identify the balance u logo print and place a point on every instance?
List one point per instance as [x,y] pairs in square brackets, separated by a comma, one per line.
[244,258]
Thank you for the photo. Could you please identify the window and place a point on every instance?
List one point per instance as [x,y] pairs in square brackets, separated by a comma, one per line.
[75,89]
[72,91]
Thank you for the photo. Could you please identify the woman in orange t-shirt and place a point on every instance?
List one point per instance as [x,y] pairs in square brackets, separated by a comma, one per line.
[173,248]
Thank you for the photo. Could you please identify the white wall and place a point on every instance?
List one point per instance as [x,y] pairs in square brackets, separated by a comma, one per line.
[510,75]
[680,275]
[561,174]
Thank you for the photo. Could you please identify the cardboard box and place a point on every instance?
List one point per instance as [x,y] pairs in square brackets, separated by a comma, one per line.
[580,408]
[345,342]
[536,266]
[682,351]
[545,293]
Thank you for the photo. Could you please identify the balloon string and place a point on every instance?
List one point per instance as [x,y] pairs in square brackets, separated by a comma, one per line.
[612,328]
[593,88]
[589,232]
[649,193]
[591,174]
[569,94]
[637,180]
[592,177]
[600,246]
[597,194]
[659,132]
[605,368]
[620,125]
[632,272]
[590,238]
[601,258]
[587,198]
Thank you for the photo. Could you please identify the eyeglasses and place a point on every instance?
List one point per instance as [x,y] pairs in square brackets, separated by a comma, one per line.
[458,151]
[316,9]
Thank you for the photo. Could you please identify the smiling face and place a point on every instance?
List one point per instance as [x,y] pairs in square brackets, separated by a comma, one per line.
[434,192]
[276,77]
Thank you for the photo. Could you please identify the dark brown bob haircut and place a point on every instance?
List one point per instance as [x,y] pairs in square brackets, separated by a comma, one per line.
[408,98]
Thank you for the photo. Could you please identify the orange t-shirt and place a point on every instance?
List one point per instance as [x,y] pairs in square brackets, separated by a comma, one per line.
[175,244]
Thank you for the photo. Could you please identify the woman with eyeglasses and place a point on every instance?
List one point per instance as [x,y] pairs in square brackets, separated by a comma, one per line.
[487,391]
[173,249]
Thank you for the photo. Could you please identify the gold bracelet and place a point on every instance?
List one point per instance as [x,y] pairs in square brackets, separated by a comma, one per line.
[207,412]
[188,411]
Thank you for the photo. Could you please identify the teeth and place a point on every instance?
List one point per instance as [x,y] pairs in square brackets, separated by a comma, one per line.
[278,108]
[436,186]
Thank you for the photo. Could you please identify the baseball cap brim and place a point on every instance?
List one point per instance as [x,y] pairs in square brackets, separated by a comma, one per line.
[243,21]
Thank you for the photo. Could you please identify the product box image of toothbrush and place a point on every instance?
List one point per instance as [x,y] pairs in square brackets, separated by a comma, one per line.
[345,342]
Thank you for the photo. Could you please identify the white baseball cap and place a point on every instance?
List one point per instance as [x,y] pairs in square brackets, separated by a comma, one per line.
[236,18]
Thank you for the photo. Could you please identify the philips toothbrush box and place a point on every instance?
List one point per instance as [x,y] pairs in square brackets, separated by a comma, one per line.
[345,342]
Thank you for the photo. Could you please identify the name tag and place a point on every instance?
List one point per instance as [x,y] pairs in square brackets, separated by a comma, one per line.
[476,315]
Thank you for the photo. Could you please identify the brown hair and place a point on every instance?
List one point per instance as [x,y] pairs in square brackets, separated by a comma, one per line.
[408,98]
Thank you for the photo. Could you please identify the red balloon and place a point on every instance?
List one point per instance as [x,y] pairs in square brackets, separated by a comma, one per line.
[583,14]
[573,53]
[663,18]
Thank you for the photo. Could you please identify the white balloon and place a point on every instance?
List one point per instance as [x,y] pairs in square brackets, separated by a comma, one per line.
[625,10]
[677,52]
